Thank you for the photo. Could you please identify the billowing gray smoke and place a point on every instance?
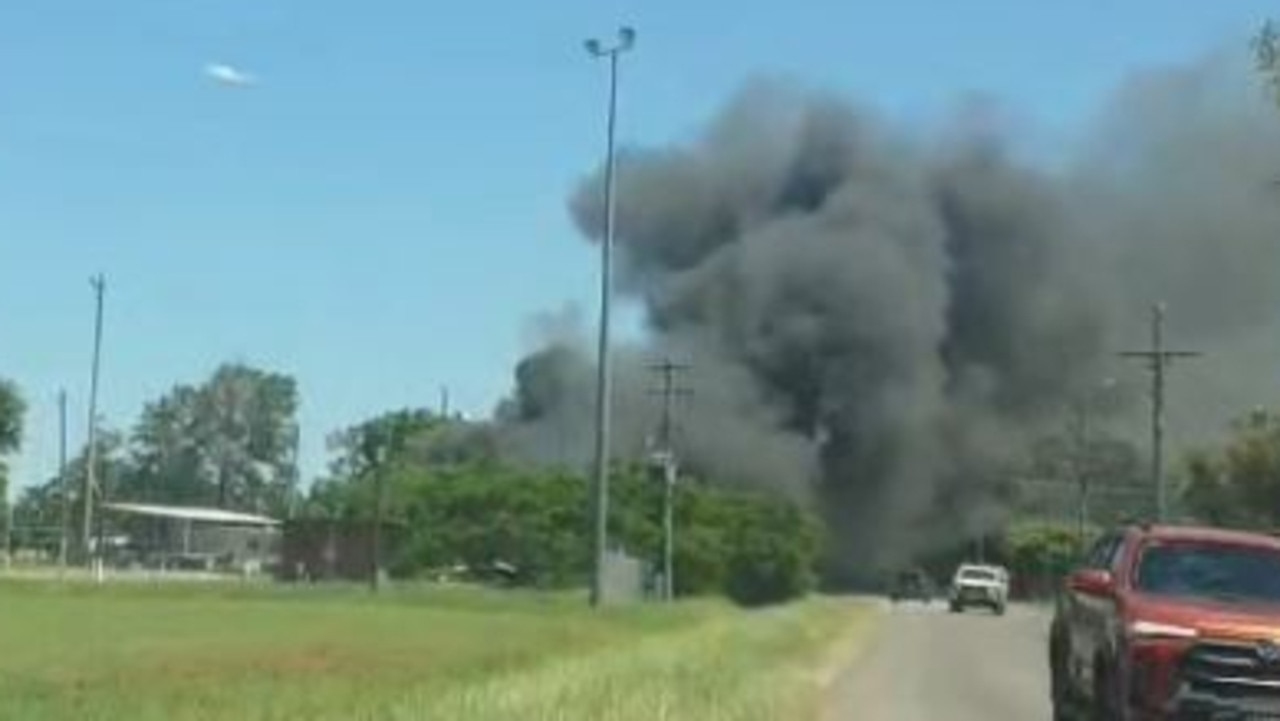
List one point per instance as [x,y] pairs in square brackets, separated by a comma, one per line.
[881,323]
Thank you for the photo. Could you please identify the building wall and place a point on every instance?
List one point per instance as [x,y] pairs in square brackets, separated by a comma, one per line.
[323,550]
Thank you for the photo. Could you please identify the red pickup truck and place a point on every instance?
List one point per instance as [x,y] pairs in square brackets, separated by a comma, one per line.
[1164,622]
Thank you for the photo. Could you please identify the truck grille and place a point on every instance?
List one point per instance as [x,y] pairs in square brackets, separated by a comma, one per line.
[1227,669]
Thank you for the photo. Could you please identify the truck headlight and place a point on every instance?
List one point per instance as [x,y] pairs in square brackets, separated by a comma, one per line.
[1155,629]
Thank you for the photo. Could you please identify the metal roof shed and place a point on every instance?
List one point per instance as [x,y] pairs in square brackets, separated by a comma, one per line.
[245,526]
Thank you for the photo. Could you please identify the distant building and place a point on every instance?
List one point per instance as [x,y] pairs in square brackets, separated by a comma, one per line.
[318,549]
[190,538]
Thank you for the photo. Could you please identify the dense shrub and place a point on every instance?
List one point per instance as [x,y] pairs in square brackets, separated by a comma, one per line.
[772,553]
[1040,554]
[753,548]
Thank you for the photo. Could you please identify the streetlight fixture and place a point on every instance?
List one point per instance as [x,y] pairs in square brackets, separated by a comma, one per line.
[625,41]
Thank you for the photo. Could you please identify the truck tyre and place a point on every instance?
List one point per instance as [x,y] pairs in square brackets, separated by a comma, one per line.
[1059,689]
[1108,702]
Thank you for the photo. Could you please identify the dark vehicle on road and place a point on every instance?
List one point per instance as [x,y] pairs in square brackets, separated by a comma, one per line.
[1169,623]
[911,585]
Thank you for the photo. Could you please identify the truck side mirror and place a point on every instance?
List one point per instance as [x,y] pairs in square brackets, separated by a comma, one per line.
[1092,582]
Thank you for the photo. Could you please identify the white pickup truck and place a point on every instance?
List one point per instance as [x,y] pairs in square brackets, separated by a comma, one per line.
[979,585]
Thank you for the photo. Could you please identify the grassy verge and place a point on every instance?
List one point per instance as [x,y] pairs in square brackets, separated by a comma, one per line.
[185,653]
[770,666]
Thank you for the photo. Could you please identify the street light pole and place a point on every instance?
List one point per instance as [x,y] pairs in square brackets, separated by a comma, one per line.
[92,493]
[600,496]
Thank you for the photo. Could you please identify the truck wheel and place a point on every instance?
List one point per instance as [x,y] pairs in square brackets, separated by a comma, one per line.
[1059,693]
[1108,703]
[956,607]
[999,609]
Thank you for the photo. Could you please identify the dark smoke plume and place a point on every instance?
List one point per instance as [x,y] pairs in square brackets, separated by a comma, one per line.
[881,323]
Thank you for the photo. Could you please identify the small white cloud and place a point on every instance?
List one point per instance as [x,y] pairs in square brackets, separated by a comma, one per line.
[228,75]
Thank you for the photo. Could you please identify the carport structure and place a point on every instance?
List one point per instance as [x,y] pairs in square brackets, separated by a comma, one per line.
[194,538]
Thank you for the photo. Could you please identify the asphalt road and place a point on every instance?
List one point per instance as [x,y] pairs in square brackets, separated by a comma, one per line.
[925,664]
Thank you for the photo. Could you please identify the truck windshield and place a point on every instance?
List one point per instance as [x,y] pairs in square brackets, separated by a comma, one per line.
[1216,571]
[977,574]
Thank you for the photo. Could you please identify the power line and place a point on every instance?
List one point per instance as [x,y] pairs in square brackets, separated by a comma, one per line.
[668,461]
[668,370]
[1158,359]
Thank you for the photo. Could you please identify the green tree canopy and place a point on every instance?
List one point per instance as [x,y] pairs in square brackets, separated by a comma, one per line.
[754,548]
[1266,55]
[1238,484]
[384,439]
[229,441]
[12,411]
[42,505]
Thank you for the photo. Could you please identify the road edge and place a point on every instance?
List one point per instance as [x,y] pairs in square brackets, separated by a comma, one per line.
[848,651]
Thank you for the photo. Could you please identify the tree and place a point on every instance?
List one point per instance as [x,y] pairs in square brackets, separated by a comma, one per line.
[1039,554]
[12,410]
[230,441]
[1266,55]
[773,551]
[1114,470]
[754,548]
[1239,483]
[452,499]
[41,506]
[247,427]
[167,453]
[409,440]
[379,441]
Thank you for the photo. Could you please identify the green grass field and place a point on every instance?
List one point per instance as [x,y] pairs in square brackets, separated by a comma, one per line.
[180,653]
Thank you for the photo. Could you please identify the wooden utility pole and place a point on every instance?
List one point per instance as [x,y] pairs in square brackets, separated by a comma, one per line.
[295,471]
[64,483]
[379,507]
[669,392]
[8,532]
[1158,359]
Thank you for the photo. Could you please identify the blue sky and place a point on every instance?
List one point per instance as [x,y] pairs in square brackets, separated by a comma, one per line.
[385,213]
